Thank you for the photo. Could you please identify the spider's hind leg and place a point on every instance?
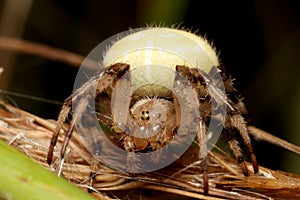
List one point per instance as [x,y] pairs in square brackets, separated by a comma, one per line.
[234,120]
[235,123]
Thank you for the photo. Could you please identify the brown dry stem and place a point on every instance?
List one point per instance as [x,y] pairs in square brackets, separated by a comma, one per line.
[42,50]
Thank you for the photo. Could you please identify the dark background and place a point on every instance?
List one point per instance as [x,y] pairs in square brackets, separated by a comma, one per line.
[258,42]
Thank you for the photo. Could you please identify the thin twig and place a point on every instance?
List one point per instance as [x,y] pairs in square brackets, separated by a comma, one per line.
[51,53]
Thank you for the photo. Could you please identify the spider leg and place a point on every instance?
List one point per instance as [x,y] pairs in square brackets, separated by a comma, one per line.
[93,176]
[201,135]
[177,110]
[61,119]
[132,159]
[83,103]
[191,97]
[121,99]
[236,122]
[204,84]
[207,89]
[235,148]
[93,166]
[82,96]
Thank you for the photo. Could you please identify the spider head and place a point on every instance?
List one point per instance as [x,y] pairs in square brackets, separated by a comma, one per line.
[151,112]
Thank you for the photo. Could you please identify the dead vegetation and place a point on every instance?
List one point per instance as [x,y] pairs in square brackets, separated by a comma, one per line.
[31,135]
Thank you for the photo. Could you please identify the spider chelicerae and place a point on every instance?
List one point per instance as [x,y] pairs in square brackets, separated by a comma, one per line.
[149,117]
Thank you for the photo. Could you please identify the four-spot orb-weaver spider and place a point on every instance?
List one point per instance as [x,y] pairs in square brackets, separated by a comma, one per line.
[160,90]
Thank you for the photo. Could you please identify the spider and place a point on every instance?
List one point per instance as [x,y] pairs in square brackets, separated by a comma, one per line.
[140,115]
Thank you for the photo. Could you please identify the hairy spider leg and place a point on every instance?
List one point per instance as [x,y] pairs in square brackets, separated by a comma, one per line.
[201,135]
[121,100]
[83,103]
[64,112]
[108,77]
[236,121]
[182,84]
[83,91]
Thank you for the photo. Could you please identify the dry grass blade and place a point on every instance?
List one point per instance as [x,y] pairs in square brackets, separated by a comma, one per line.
[31,135]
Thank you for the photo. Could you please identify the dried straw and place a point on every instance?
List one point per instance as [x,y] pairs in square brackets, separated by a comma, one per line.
[31,135]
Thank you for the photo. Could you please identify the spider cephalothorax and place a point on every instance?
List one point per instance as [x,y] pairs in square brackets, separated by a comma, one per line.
[151,124]
[150,108]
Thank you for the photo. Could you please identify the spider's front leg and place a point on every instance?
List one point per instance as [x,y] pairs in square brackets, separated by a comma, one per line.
[81,97]
[122,122]
[189,92]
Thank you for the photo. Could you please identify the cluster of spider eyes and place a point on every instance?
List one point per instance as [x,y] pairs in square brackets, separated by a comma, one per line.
[145,115]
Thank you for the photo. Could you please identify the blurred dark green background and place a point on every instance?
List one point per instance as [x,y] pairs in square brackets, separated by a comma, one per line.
[258,42]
